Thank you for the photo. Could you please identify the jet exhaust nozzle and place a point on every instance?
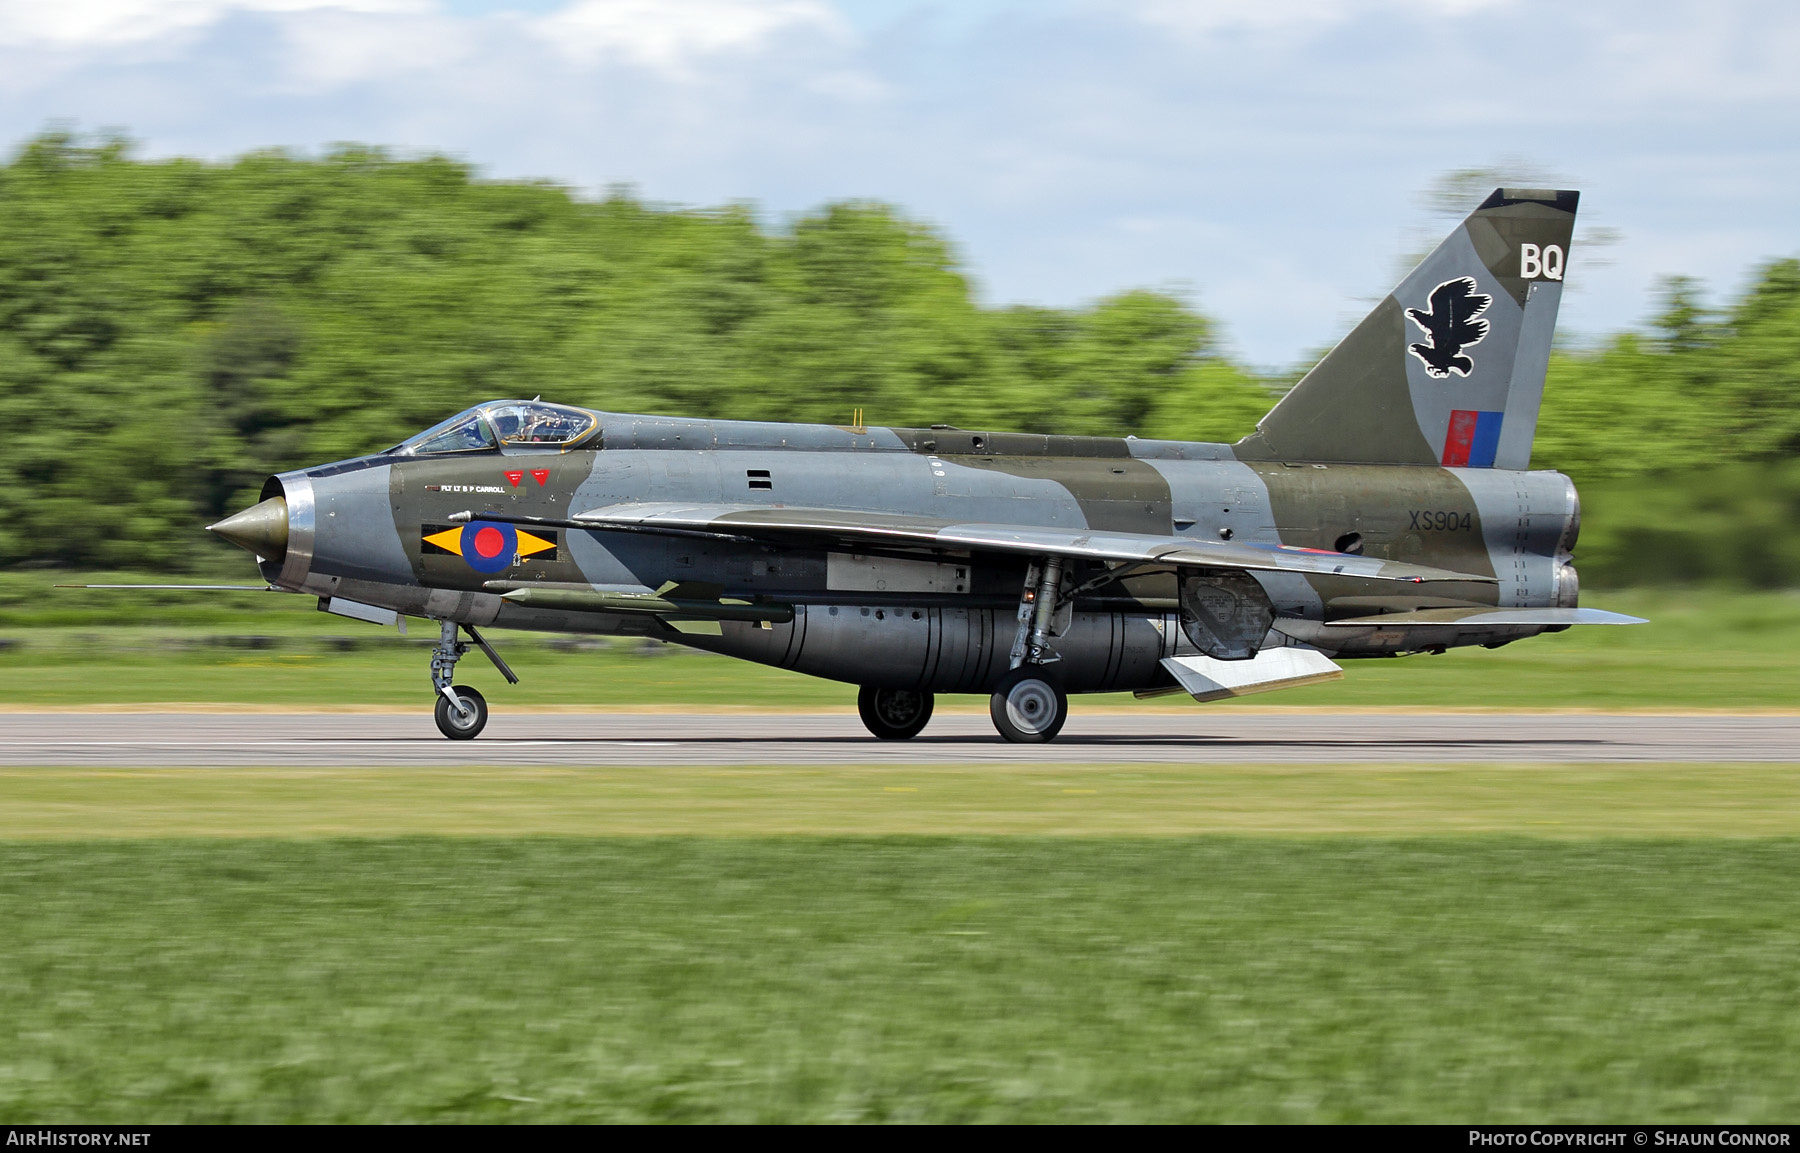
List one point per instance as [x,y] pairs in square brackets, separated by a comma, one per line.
[261,529]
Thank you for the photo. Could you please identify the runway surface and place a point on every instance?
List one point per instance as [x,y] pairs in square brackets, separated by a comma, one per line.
[171,739]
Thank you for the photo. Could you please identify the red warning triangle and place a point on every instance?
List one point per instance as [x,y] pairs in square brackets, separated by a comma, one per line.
[541,475]
[514,477]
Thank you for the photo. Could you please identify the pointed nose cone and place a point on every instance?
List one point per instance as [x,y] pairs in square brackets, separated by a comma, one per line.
[261,529]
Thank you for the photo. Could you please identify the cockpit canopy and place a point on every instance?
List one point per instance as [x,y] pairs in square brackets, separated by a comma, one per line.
[525,424]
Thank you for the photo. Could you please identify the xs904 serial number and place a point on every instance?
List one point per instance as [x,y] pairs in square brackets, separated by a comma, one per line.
[1441,520]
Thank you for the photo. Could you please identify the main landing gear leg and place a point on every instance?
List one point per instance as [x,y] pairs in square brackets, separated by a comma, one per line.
[1029,706]
[461,712]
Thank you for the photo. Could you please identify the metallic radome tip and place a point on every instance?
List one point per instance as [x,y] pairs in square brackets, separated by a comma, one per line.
[261,529]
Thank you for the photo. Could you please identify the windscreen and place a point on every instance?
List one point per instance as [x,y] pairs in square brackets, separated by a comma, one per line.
[464,432]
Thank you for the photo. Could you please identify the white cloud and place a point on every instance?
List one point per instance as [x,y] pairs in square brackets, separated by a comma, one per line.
[1204,17]
[331,48]
[100,23]
[670,34]
[326,44]
[1709,53]
[1266,151]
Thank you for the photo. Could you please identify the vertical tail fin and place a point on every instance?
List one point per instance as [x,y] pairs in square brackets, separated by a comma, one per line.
[1449,368]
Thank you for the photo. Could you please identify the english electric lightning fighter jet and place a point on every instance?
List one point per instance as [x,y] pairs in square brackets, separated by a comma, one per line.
[1384,506]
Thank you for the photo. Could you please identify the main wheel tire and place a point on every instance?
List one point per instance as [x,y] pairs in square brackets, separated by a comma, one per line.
[456,726]
[1029,707]
[894,714]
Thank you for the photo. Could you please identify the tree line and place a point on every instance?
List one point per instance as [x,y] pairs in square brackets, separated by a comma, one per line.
[172,331]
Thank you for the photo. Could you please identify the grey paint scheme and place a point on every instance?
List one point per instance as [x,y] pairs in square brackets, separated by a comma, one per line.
[1221,494]
[1487,386]
[946,643]
[352,525]
[1349,454]
[952,650]
[1529,521]
[1525,395]
[1370,400]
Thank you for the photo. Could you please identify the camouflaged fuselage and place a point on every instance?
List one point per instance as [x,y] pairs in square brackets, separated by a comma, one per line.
[899,616]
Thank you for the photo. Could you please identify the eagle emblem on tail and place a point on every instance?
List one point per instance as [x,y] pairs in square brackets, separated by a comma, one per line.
[1451,323]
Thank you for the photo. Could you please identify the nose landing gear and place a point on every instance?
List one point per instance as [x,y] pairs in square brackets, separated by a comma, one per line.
[465,718]
[461,712]
[1029,705]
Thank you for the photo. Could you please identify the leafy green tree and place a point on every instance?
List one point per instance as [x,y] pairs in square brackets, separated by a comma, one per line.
[173,331]
[1703,388]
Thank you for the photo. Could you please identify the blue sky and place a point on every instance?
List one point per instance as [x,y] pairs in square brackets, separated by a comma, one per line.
[1265,158]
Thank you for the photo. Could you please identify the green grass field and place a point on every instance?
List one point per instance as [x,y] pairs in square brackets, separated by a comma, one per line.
[1313,943]
[1723,651]
[894,979]
[1172,800]
[1462,943]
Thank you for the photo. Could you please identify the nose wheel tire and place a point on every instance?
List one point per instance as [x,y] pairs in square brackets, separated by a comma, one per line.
[1029,707]
[461,726]
[894,714]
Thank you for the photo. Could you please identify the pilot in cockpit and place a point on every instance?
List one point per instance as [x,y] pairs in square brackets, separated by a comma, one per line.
[515,423]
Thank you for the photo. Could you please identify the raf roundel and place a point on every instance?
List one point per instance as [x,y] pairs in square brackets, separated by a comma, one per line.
[489,546]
